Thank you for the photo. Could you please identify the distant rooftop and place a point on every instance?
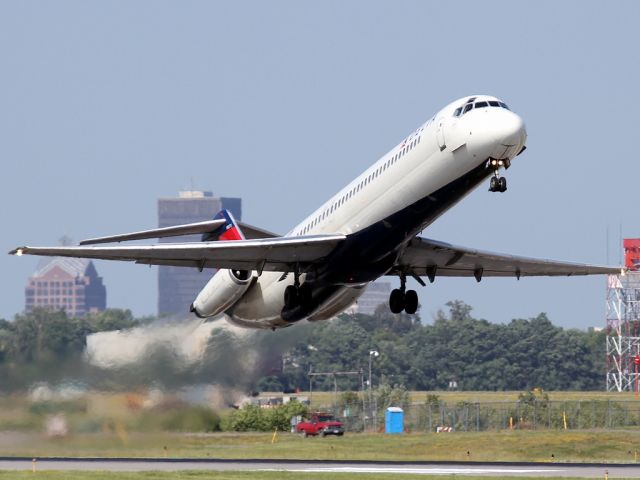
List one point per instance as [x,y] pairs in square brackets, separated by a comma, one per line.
[194,194]
[76,267]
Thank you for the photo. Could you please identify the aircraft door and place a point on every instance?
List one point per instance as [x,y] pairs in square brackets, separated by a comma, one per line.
[440,133]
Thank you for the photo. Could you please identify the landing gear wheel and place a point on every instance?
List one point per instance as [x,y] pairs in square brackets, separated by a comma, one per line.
[494,184]
[396,300]
[502,184]
[304,296]
[291,297]
[411,302]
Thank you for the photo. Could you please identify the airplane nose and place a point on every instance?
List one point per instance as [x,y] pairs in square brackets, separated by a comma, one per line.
[510,133]
[511,129]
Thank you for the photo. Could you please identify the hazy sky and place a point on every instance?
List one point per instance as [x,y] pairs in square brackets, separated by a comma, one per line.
[106,106]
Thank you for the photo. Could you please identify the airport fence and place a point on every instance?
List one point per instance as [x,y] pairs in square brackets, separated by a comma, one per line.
[482,416]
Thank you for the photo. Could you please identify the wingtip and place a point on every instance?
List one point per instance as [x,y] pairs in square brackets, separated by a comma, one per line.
[18,252]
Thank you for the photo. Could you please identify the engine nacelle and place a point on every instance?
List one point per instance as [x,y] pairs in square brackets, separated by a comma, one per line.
[223,290]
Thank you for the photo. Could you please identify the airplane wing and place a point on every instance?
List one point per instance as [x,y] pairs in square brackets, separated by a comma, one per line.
[279,254]
[431,258]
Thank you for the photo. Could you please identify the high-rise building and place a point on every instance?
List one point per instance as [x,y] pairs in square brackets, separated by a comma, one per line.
[178,286]
[70,284]
[376,294]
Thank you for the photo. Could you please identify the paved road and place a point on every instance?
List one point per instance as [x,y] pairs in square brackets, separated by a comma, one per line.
[424,468]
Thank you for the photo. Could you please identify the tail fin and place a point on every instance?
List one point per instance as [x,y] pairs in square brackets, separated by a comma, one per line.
[227,231]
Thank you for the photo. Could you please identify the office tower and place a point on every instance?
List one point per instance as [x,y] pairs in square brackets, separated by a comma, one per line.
[376,294]
[178,286]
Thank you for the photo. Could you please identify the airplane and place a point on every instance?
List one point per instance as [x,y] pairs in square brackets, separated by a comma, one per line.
[367,230]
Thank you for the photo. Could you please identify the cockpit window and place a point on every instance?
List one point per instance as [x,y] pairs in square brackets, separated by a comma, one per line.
[468,106]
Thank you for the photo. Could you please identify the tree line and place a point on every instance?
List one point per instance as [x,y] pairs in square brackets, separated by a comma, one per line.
[455,347]
[474,353]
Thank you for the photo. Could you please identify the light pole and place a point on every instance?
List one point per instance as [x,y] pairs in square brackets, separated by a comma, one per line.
[372,354]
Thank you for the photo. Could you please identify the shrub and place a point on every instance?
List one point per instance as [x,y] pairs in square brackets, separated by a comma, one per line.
[253,418]
[193,419]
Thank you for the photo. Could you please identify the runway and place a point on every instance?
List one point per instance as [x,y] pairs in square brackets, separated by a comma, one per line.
[300,466]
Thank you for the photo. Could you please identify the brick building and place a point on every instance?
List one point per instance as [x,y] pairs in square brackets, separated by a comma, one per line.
[70,284]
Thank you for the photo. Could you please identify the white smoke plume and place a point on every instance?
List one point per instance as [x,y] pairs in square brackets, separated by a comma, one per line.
[187,340]
[171,354]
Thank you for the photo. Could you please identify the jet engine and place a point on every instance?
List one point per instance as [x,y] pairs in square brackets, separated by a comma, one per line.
[224,289]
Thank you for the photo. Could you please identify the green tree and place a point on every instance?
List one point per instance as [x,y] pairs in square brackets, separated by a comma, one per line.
[112,319]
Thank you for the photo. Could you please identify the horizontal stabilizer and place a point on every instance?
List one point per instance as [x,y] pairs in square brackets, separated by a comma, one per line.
[176,231]
[250,232]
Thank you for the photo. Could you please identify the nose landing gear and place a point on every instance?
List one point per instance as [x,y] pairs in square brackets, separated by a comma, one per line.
[403,299]
[498,183]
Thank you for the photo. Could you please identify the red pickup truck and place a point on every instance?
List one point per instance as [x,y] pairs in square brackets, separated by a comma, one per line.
[321,424]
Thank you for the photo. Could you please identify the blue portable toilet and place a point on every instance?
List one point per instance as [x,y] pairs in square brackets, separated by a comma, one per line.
[394,420]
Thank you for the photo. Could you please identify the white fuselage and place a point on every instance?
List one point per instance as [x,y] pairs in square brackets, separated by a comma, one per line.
[437,153]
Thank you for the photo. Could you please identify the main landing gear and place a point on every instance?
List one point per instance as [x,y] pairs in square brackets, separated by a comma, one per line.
[403,299]
[498,183]
[297,295]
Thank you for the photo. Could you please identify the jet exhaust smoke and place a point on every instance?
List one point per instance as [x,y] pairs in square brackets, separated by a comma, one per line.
[178,353]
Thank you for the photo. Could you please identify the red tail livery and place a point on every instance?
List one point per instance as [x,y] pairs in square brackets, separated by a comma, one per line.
[228,231]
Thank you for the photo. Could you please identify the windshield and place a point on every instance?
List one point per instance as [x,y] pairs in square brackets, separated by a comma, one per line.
[470,105]
[326,418]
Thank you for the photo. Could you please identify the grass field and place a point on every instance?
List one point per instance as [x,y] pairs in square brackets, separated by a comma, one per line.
[451,397]
[97,411]
[536,446]
[69,475]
